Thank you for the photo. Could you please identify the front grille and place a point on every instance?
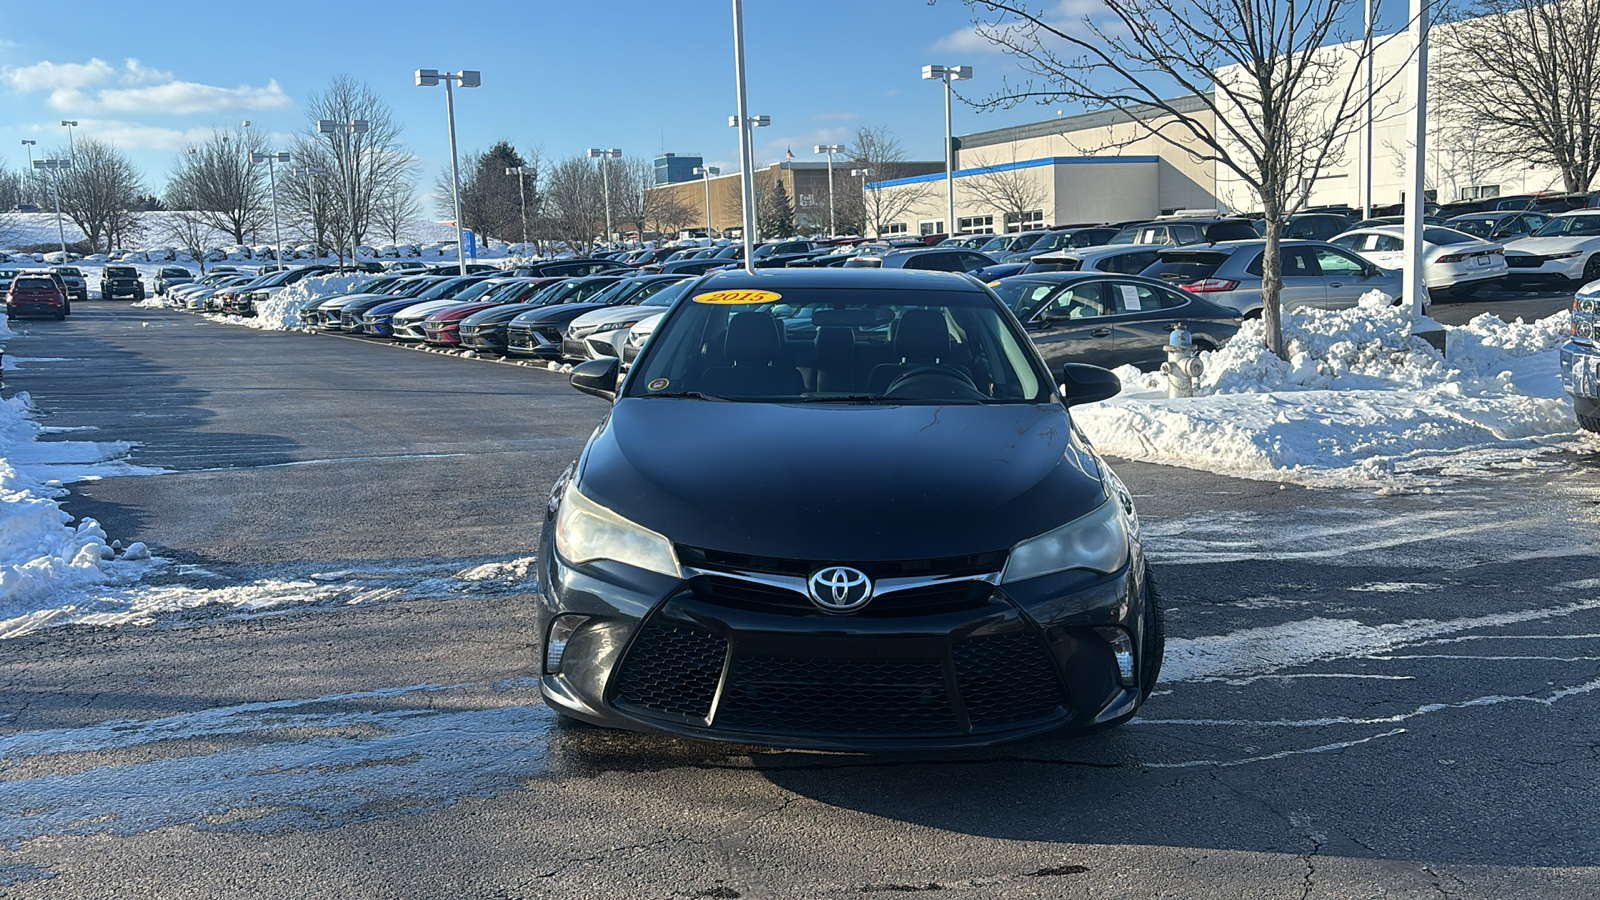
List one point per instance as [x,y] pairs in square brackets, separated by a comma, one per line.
[673,671]
[930,600]
[1005,679]
[969,565]
[842,697]
[1519,261]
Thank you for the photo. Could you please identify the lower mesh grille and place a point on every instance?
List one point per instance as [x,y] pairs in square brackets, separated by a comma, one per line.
[673,671]
[837,696]
[1005,679]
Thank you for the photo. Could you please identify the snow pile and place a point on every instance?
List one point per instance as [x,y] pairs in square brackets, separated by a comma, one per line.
[41,553]
[1360,401]
[281,311]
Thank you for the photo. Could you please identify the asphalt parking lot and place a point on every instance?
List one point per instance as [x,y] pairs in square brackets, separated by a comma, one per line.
[1364,695]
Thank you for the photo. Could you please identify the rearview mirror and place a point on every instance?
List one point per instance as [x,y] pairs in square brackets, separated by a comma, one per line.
[1083,383]
[599,377]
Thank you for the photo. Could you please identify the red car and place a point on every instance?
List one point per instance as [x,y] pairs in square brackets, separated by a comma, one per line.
[33,293]
[443,328]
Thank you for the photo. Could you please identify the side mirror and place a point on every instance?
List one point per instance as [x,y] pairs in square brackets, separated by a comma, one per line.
[1083,383]
[599,377]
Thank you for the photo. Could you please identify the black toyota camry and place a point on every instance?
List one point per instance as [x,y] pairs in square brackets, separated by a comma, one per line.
[838,508]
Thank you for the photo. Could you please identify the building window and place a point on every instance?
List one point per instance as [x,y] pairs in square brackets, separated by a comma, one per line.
[975,225]
[1033,218]
[1480,192]
[930,226]
[896,228]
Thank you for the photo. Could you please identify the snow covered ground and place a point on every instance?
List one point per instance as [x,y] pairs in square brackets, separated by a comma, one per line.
[1361,403]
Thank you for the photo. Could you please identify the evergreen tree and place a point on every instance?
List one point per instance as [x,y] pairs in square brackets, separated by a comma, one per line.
[777,212]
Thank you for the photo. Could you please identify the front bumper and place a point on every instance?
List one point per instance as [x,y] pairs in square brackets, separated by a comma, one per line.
[957,663]
[491,337]
[543,342]
[443,335]
[1528,267]
[1580,370]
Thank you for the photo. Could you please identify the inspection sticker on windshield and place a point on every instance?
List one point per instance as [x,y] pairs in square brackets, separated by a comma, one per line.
[660,384]
[729,297]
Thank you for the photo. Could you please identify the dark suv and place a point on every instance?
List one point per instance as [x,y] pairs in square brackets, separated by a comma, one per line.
[36,293]
[121,281]
[77,285]
[171,276]
[1185,231]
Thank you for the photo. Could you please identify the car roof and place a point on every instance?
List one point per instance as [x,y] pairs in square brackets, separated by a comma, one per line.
[837,279]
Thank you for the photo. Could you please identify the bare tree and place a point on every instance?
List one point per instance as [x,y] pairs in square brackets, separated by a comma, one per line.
[572,211]
[395,210]
[100,193]
[1276,100]
[1526,75]
[877,149]
[188,233]
[362,166]
[215,183]
[1009,191]
[11,195]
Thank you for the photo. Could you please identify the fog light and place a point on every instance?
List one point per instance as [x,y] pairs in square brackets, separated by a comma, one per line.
[1122,648]
[555,646]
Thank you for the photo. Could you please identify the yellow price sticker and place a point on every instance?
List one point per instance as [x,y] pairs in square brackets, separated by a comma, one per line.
[731,297]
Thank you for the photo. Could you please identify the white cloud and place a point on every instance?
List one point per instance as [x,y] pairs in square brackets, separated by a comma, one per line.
[75,87]
[134,136]
[1067,16]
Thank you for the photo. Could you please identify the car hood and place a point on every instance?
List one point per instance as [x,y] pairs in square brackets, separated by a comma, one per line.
[826,482]
[461,310]
[561,312]
[605,314]
[1544,246]
[423,309]
[344,300]
[498,314]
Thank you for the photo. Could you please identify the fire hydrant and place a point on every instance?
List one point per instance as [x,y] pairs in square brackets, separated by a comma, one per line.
[1182,367]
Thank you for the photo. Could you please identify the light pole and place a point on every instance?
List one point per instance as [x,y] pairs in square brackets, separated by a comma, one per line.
[1413,285]
[72,148]
[866,207]
[705,173]
[310,173]
[830,149]
[948,74]
[1366,137]
[747,153]
[55,165]
[605,180]
[29,144]
[468,79]
[272,179]
[522,191]
[345,130]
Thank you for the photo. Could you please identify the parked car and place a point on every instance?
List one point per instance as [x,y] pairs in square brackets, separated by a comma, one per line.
[485,331]
[1397,220]
[1453,261]
[121,281]
[706,591]
[1580,358]
[353,314]
[35,293]
[1500,225]
[538,332]
[1057,240]
[6,276]
[170,276]
[1312,226]
[443,327]
[77,286]
[324,314]
[937,259]
[594,333]
[243,301]
[1001,244]
[407,324]
[638,336]
[1111,320]
[1315,275]
[567,268]
[1177,232]
[1566,248]
[966,241]
[198,298]
[1120,258]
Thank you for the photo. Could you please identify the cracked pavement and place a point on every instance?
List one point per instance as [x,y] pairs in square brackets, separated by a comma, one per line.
[1382,696]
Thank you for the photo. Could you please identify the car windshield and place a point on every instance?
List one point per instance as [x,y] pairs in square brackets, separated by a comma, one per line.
[1570,226]
[122,273]
[443,290]
[1126,236]
[663,293]
[1003,242]
[1478,227]
[841,346]
[476,290]
[1022,295]
[70,271]
[504,293]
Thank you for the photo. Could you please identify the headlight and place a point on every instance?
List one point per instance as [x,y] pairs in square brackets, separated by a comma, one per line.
[613,326]
[587,531]
[1097,542]
[1565,255]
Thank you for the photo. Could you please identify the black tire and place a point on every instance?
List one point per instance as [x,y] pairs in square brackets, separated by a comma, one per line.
[1154,645]
[1588,413]
[1591,269]
[1589,423]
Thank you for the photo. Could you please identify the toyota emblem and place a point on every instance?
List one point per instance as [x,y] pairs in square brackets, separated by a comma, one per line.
[840,588]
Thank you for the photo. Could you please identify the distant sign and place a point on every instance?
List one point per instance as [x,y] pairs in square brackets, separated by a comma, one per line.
[471,240]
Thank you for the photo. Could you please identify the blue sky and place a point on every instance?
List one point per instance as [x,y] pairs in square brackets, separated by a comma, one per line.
[643,76]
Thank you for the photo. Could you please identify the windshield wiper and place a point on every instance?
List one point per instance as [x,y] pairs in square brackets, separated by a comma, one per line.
[685,395]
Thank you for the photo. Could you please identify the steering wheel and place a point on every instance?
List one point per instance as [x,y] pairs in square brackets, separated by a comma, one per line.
[933,382]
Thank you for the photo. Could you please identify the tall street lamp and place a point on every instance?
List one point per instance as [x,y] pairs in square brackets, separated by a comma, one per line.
[272,179]
[522,191]
[830,149]
[468,79]
[705,173]
[345,130]
[30,145]
[747,152]
[948,74]
[605,180]
[310,173]
[72,149]
[866,207]
[55,165]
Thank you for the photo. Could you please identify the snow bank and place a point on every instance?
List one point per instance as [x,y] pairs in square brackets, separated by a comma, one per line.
[41,553]
[281,311]
[1359,402]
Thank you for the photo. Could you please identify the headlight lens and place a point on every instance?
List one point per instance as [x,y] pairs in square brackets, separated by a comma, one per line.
[1564,255]
[1097,542]
[587,531]
[613,326]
